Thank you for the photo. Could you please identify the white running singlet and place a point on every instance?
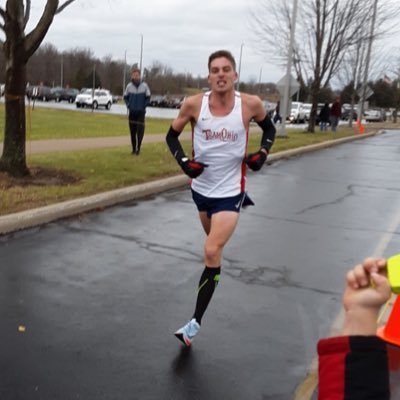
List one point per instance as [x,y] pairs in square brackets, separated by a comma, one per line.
[221,143]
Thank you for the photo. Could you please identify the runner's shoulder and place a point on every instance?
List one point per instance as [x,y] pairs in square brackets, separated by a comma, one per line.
[193,103]
[250,100]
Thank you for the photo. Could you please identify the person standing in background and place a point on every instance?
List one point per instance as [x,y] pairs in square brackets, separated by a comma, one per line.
[336,113]
[324,117]
[277,115]
[137,98]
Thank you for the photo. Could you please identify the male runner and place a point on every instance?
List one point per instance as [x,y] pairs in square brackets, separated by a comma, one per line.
[220,122]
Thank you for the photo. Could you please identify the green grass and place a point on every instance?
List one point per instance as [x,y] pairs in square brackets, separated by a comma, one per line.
[47,123]
[298,138]
[112,168]
[99,170]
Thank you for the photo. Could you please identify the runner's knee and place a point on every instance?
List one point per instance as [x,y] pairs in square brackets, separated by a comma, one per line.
[212,253]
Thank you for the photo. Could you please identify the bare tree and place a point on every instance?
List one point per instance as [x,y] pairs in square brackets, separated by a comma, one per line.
[352,69]
[327,31]
[393,68]
[18,47]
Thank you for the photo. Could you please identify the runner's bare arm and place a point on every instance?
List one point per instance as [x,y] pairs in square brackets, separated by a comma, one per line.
[186,114]
[264,122]
[178,124]
[255,110]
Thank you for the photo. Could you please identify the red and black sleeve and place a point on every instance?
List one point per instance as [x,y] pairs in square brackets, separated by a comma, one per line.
[353,368]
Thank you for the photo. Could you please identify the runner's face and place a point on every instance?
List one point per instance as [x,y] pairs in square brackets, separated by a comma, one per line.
[221,76]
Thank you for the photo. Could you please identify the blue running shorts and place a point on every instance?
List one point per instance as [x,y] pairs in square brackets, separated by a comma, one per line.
[213,205]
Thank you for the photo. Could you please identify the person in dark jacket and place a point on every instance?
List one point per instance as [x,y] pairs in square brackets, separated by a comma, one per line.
[324,116]
[355,366]
[336,113]
[137,97]
[277,115]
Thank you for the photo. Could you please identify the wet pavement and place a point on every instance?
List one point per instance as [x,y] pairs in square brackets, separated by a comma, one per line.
[89,305]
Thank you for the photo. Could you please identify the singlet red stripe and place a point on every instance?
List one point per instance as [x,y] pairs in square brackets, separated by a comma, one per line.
[244,169]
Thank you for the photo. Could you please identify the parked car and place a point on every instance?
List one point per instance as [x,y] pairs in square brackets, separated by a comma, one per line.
[297,112]
[100,98]
[55,93]
[39,93]
[116,98]
[347,112]
[374,115]
[158,101]
[174,102]
[69,95]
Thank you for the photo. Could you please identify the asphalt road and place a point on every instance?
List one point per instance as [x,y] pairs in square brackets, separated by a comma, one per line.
[89,305]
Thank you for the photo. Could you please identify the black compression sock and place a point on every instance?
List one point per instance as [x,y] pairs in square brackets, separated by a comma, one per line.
[208,282]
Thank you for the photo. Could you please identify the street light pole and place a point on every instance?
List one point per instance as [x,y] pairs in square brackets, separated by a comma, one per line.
[366,71]
[240,66]
[62,71]
[94,85]
[285,103]
[124,76]
[141,52]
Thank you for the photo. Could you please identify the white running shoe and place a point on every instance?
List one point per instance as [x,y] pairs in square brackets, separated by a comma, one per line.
[188,332]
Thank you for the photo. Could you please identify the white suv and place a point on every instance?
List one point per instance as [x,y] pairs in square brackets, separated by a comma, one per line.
[297,112]
[101,98]
[307,111]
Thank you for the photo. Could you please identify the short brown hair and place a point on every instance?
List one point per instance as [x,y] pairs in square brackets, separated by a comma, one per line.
[222,53]
[135,69]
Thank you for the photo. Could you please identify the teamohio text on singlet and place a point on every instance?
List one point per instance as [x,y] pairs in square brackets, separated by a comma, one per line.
[221,143]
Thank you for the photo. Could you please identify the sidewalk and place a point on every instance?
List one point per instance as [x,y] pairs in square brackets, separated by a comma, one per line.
[58,145]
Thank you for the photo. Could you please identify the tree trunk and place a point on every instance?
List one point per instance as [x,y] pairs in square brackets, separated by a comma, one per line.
[314,100]
[13,160]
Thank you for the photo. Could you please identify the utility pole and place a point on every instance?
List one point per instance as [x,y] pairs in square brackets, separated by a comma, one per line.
[366,71]
[240,66]
[285,102]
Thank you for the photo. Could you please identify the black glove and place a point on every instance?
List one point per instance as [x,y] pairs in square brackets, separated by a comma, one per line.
[192,168]
[256,160]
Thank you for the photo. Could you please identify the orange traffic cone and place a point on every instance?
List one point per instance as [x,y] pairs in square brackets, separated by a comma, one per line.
[391,331]
[360,127]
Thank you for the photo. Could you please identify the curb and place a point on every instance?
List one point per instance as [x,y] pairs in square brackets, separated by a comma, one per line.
[318,146]
[43,215]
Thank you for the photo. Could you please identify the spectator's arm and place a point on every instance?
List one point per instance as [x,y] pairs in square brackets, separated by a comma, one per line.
[355,365]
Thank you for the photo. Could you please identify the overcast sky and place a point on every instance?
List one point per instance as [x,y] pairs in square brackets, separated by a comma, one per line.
[178,33]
